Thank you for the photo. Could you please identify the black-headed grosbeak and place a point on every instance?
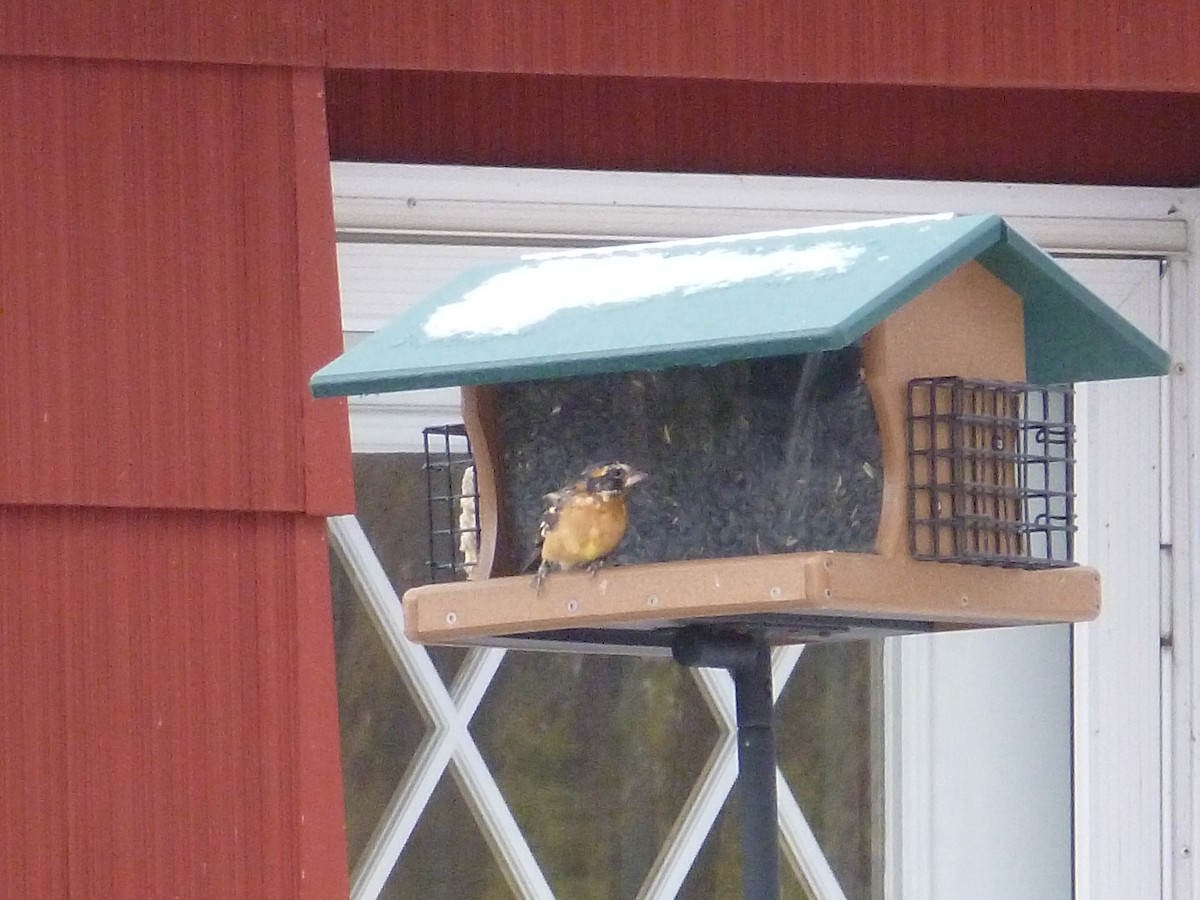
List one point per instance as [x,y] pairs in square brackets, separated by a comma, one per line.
[584,522]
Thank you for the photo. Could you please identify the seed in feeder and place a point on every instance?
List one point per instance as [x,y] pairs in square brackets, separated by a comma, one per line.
[754,453]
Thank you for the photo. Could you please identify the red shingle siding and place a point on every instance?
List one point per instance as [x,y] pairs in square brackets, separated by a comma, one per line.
[151,744]
[233,31]
[1120,44]
[169,284]
[1067,43]
[328,481]
[152,325]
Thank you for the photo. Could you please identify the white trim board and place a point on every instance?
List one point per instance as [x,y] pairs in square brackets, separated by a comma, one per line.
[427,202]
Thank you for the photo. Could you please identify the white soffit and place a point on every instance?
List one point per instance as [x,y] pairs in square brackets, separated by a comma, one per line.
[376,201]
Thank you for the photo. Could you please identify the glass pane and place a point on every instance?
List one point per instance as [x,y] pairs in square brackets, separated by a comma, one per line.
[390,492]
[379,721]
[380,725]
[596,756]
[717,874]
[447,857]
[827,747]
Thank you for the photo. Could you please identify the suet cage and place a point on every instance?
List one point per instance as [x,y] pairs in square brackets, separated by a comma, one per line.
[452,503]
[991,473]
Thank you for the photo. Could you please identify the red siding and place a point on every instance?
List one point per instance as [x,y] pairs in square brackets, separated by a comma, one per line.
[168,707]
[236,31]
[1096,43]
[328,480]
[1121,44]
[152,740]
[713,126]
[151,276]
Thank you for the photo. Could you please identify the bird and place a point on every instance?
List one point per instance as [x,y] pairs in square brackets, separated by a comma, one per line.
[584,521]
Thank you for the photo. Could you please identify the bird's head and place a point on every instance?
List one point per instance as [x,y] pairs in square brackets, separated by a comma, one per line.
[612,478]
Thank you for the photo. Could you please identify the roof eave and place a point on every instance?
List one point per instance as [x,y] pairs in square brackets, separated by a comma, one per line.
[1070,334]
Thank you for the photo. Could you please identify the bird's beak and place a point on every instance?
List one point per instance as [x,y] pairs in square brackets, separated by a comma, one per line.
[634,477]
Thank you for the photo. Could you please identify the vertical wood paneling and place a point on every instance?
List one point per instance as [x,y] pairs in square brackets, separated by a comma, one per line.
[1004,43]
[235,31]
[163,473]
[320,829]
[328,482]
[161,741]
[650,124]
[1120,44]
[153,346]
[34,822]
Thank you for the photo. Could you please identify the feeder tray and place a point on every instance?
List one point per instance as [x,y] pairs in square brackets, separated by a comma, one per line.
[850,432]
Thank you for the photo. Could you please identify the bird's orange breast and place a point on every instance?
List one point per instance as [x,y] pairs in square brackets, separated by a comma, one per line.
[588,528]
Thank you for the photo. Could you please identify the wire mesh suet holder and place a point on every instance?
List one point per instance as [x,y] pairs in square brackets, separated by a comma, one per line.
[452,501]
[991,473]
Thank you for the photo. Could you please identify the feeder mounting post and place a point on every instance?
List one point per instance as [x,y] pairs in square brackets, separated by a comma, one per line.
[748,659]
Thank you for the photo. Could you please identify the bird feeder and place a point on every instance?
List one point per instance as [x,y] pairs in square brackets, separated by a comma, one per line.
[851,431]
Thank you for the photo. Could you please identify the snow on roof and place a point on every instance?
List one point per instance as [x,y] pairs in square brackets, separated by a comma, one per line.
[702,242]
[715,299]
[545,283]
[515,299]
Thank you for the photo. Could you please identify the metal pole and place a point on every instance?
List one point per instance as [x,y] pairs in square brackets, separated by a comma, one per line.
[748,659]
[756,777]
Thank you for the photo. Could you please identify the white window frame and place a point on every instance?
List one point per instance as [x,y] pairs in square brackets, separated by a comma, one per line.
[377,202]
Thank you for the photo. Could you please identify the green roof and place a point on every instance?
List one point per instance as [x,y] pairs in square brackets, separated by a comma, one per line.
[709,300]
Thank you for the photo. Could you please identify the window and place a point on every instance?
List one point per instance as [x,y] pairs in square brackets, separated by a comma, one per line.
[606,777]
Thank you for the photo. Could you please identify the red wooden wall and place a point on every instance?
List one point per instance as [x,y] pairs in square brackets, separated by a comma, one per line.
[156,217]
[167,285]
[970,43]
[1093,44]
[704,125]
[167,704]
